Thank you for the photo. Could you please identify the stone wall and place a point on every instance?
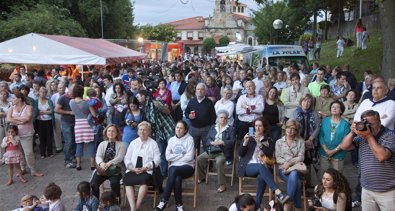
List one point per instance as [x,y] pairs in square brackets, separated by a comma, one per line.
[372,23]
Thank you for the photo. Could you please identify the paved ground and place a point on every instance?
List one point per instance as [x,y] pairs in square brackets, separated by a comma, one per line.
[208,199]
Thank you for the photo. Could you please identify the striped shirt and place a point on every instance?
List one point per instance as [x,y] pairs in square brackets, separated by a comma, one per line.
[375,175]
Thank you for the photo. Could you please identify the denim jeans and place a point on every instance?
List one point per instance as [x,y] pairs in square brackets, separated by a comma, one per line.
[275,130]
[263,176]
[163,162]
[174,181]
[293,186]
[91,149]
[68,136]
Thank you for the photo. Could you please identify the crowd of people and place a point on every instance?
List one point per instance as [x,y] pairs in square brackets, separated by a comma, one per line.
[147,122]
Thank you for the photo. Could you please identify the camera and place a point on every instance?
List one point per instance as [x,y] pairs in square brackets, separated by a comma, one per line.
[362,125]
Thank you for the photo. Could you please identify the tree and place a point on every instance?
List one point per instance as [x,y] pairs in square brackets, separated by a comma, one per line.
[224,41]
[387,18]
[208,44]
[160,32]
[41,18]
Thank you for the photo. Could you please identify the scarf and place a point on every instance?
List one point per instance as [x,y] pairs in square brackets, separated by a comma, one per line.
[306,121]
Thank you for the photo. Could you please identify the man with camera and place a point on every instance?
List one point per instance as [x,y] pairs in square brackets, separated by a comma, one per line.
[377,160]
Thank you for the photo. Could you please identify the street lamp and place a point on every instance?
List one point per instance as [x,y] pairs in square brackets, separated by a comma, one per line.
[277,25]
[101,18]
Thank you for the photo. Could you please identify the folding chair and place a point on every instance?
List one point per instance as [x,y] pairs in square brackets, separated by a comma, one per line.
[231,175]
[105,186]
[245,186]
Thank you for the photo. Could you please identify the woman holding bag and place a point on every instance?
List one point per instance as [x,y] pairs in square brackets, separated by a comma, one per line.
[110,152]
[290,151]
[219,145]
[251,165]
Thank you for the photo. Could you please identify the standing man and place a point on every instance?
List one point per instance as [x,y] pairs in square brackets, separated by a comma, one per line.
[177,88]
[108,85]
[67,123]
[315,86]
[200,110]
[377,161]
[258,81]
[57,129]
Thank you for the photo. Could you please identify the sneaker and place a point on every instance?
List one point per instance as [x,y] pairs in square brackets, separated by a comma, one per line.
[161,206]
[179,208]
[355,204]
[228,163]
[70,165]
[282,197]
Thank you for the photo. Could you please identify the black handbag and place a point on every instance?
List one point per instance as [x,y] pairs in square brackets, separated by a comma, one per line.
[214,149]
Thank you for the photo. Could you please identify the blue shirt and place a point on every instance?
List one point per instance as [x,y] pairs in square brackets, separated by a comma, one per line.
[174,86]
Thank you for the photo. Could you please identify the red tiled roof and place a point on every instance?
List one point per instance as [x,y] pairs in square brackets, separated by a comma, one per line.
[241,17]
[196,22]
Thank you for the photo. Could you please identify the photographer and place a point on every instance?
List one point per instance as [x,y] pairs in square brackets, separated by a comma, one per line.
[376,148]
[161,121]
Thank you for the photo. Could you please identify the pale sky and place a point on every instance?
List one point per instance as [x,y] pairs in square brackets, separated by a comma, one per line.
[163,11]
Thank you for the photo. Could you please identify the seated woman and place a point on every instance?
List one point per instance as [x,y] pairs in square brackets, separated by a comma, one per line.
[141,158]
[333,193]
[251,165]
[290,151]
[180,155]
[220,139]
[109,152]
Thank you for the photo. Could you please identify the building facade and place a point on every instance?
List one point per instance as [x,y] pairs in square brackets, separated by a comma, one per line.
[228,19]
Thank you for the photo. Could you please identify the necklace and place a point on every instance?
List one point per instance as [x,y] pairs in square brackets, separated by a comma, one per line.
[333,126]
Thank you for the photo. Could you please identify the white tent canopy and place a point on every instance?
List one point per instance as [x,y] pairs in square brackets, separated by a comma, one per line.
[55,49]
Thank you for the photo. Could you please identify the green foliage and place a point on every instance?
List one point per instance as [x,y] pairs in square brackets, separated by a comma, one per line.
[305,37]
[41,18]
[161,32]
[224,41]
[263,21]
[208,44]
[117,16]
[359,60]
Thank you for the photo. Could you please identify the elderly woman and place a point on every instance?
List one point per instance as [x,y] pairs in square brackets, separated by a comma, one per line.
[310,125]
[141,158]
[45,120]
[292,95]
[21,114]
[251,151]
[225,103]
[219,145]
[180,153]
[83,131]
[333,129]
[290,151]
[110,153]
[323,101]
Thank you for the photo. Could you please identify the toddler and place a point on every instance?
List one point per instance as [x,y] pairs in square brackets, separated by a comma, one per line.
[108,202]
[13,155]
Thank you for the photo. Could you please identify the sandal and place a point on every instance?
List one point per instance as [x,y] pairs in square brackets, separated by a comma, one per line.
[222,188]
[9,182]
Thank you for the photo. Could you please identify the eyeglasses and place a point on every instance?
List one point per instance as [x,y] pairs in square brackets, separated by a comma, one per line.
[291,128]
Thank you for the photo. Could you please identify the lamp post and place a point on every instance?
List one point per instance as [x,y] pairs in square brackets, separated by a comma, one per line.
[277,25]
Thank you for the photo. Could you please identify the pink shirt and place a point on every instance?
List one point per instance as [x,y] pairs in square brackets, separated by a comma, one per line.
[25,129]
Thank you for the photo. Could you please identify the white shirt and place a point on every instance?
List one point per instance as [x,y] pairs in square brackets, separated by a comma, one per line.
[258,86]
[149,149]
[109,92]
[245,101]
[386,110]
[229,106]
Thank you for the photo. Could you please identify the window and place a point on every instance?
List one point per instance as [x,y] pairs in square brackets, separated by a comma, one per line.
[242,10]
[190,35]
[238,9]
[250,41]
[200,35]
[234,9]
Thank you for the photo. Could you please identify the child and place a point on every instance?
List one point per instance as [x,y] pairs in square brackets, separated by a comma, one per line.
[53,192]
[30,203]
[13,155]
[94,106]
[243,202]
[88,202]
[340,46]
[107,202]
